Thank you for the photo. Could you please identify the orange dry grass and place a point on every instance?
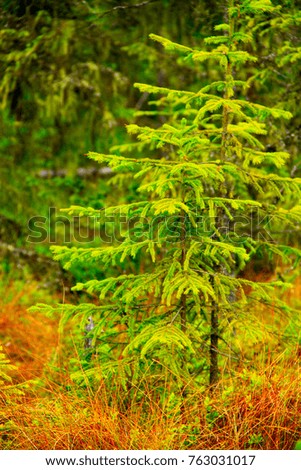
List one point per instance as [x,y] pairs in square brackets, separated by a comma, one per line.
[267,417]
[28,339]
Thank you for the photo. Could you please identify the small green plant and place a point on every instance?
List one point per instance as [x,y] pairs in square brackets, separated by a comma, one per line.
[8,391]
[298,445]
[255,439]
[203,194]
[5,368]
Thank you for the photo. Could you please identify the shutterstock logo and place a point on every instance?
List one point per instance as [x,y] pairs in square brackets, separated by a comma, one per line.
[108,228]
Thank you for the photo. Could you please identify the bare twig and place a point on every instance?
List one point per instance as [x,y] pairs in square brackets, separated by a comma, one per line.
[81,172]
[125,7]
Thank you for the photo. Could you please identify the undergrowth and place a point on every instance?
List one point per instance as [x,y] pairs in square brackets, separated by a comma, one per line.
[258,407]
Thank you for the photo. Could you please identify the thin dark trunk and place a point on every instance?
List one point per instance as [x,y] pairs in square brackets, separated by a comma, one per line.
[183,307]
[214,374]
[183,257]
[226,120]
[183,312]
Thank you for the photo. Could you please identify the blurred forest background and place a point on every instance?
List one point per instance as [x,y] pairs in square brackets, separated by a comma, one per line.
[66,87]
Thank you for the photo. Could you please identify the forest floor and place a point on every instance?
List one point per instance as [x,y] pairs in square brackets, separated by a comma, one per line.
[260,409]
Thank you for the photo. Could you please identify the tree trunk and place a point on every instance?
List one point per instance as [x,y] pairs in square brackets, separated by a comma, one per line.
[214,375]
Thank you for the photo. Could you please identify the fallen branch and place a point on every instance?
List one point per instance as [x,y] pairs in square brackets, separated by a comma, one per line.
[81,172]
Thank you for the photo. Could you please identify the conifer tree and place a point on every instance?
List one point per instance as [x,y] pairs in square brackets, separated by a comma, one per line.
[203,192]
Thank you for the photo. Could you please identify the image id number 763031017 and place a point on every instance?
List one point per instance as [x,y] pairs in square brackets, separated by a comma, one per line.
[227,460]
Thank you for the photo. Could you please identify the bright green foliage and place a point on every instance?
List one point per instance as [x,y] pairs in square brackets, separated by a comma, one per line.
[276,77]
[208,202]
